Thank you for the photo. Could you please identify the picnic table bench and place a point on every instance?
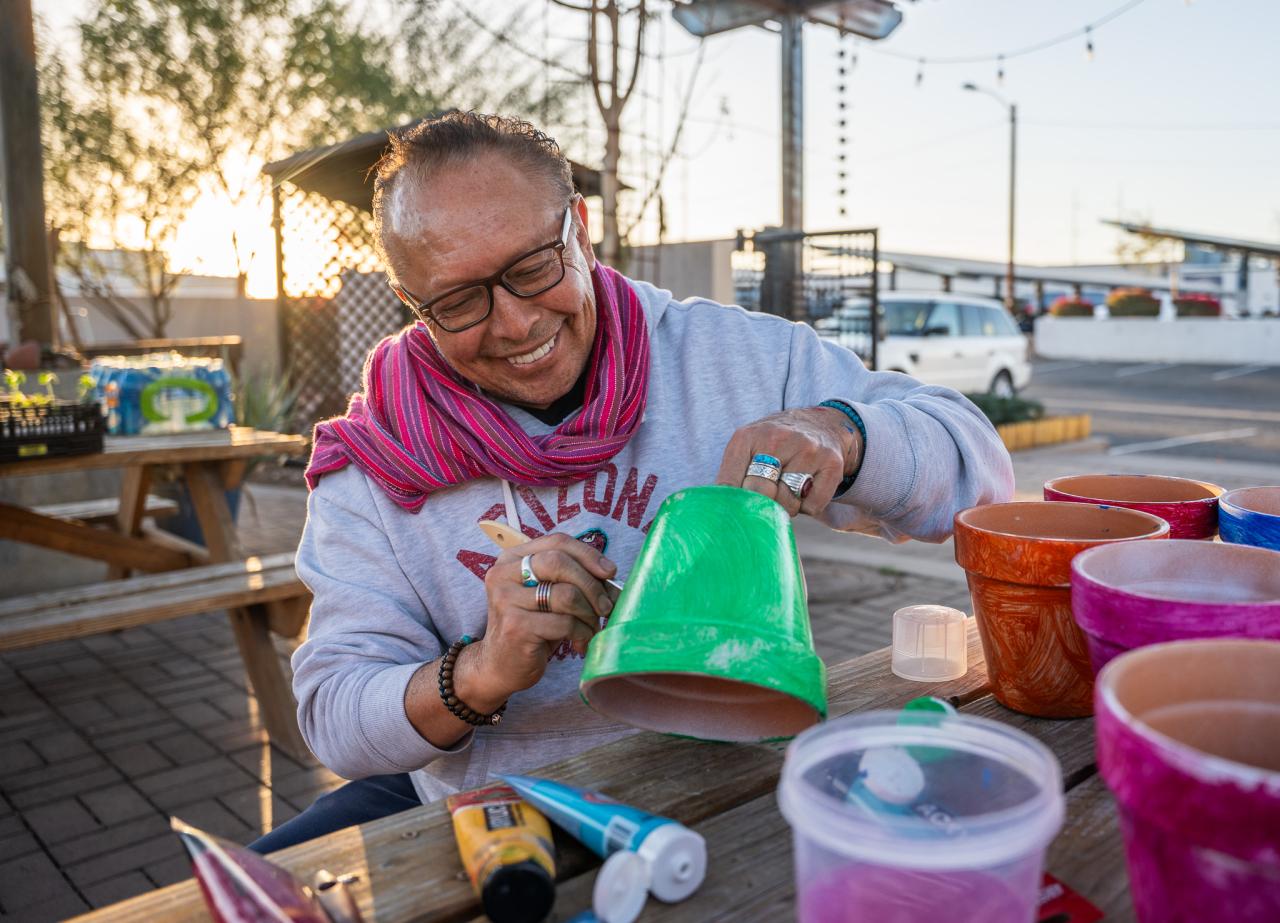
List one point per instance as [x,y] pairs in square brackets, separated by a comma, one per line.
[176,578]
[409,869]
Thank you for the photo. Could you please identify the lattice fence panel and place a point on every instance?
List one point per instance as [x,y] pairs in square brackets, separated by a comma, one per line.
[336,302]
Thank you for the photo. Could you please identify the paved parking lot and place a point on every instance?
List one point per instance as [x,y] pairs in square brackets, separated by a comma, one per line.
[1205,411]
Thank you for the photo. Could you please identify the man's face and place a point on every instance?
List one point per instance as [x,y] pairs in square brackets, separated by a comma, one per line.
[470,221]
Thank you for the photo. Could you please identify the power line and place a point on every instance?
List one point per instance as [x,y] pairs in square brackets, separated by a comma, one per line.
[1085,31]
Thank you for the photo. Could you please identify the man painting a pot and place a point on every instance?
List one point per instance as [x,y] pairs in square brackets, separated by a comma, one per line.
[545,390]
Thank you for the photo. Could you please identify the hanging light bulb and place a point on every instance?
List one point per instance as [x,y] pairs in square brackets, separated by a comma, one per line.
[920,73]
[1088,43]
[1000,71]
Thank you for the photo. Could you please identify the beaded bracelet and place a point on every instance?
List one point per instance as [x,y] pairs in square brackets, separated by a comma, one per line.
[856,418]
[450,698]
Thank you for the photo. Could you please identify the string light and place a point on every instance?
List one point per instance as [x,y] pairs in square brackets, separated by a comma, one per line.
[1000,71]
[843,72]
[920,73]
[1088,43]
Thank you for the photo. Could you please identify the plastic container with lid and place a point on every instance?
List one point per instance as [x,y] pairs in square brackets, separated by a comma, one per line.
[881,834]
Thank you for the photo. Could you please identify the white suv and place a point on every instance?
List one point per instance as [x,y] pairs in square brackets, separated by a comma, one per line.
[961,341]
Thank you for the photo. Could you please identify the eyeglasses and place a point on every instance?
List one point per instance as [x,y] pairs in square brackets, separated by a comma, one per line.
[530,274]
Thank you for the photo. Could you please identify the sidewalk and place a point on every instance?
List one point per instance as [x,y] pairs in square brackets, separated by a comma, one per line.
[101,740]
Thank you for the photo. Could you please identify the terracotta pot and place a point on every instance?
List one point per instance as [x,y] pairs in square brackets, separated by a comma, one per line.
[1189,507]
[1251,517]
[1127,596]
[1018,560]
[1189,743]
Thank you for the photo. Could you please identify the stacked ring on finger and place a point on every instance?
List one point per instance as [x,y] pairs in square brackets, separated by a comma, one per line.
[799,482]
[764,466]
[542,596]
[527,576]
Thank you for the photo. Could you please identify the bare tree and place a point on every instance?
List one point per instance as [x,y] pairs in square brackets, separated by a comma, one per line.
[612,92]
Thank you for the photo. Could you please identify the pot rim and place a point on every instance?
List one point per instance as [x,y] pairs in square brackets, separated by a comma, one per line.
[1161,530]
[1092,583]
[1235,508]
[1218,492]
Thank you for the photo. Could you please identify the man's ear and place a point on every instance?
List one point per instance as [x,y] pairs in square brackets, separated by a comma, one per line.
[583,235]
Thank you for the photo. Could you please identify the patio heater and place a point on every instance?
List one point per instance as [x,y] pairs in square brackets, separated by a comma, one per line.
[871,19]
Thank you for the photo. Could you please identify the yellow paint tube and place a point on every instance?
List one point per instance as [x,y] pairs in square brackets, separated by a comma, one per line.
[506,848]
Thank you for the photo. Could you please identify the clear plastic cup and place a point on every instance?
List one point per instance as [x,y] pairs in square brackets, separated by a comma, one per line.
[912,821]
[929,644]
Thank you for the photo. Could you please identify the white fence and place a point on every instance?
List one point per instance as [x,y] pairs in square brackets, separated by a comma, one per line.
[1209,341]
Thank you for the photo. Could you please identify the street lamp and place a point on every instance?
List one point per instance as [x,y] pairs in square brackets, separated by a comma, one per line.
[1009,299]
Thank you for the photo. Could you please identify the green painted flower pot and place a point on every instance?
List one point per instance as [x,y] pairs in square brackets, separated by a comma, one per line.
[710,638]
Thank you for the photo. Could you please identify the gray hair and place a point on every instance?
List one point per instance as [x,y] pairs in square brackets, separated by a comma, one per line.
[427,146]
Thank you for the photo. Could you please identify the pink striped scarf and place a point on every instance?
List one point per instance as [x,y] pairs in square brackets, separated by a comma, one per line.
[419,427]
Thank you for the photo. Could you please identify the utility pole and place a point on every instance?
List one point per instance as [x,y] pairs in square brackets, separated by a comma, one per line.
[792,73]
[1010,297]
[30,279]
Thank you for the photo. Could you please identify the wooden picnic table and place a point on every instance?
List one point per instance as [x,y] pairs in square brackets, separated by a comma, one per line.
[209,464]
[409,869]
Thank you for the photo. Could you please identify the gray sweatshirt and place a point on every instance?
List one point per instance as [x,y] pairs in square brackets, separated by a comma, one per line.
[393,589]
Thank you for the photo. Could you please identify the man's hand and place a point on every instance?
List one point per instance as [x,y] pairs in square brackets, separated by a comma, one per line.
[519,639]
[809,440]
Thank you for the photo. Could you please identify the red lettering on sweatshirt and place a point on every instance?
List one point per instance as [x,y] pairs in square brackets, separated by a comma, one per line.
[634,501]
[564,509]
[602,506]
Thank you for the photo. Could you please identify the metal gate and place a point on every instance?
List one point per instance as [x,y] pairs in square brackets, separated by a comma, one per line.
[828,279]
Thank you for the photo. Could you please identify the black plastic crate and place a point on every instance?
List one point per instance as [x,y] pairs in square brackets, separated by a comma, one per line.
[32,429]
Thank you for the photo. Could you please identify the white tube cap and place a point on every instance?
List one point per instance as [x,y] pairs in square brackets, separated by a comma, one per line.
[621,888]
[677,860]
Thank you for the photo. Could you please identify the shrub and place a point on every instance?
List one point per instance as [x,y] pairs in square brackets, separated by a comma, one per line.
[1068,306]
[1197,304]
[1001,410]
[1133,302]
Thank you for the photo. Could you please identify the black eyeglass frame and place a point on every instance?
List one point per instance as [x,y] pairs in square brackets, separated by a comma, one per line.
[423,309]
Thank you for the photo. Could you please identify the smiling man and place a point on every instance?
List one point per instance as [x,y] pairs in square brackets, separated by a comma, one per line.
[544,388]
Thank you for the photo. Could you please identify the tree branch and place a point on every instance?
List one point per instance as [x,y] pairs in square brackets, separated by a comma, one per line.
[635,63]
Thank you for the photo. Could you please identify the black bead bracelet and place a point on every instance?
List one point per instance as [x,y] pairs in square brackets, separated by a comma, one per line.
[450,698]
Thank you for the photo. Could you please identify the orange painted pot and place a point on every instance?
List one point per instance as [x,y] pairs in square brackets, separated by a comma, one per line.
[1018,560]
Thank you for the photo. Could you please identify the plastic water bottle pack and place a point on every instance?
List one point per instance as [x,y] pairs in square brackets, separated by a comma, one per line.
[162,393]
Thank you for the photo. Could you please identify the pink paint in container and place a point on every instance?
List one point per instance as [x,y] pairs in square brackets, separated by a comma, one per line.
[1189,743]
[1130,595]
[919,820]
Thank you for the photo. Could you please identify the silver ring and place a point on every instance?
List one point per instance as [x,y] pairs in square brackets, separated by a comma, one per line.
[542,596]
[799,482]
[761,470]
[527,576]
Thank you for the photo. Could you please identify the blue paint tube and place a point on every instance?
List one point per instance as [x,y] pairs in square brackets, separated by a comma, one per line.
[675,858]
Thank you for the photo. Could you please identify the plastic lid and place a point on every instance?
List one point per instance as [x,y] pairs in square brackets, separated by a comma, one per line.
[988,794]
[621,888]
[677,860]
[929,644]
[522,892]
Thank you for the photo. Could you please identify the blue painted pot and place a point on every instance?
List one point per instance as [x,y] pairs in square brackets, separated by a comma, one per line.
[1250,516]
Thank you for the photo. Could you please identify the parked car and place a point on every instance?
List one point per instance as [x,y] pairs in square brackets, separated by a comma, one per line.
[961,341]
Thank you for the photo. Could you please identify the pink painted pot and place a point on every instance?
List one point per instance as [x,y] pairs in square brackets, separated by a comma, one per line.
[1017,557]
[1189,507]
[1124,597]
[1189,743]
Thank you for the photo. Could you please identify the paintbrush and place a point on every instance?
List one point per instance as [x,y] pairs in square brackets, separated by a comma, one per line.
[506,537]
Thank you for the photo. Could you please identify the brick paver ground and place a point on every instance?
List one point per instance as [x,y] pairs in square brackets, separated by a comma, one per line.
[102,739]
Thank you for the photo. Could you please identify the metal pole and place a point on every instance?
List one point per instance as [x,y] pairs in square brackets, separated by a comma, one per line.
[792,75]
[1011,300]
[22,179]
[792,123]
[875,299]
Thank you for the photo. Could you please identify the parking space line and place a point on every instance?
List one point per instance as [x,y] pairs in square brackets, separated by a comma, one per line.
[1132,370]
[1237,372]
[1222,435]
[1042,368]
